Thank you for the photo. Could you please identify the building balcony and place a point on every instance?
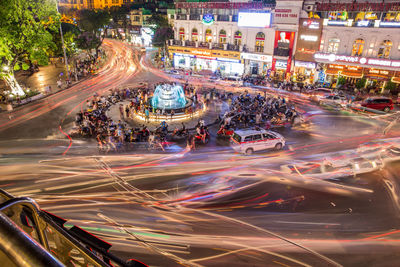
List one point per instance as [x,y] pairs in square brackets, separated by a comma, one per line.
[181,17]
[223,18]
[194,17]
[217,46]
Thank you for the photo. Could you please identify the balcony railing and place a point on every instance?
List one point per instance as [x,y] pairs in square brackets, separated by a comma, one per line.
[194,17]
[223,17]
[181,17]
[232,47]
[177,42]
[259,49]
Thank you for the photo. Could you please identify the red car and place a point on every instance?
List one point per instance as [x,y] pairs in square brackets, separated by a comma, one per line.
[379,103]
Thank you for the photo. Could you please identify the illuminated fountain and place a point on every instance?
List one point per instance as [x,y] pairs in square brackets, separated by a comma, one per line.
[168,97]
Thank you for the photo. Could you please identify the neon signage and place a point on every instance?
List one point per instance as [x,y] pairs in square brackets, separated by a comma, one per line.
[357,60]
[208,19]
[310,38]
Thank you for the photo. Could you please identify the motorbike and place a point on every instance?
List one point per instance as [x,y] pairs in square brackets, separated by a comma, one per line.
[199,139]
[225,132]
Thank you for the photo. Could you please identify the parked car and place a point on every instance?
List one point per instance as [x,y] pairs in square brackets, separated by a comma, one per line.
[250,140]
[378,103]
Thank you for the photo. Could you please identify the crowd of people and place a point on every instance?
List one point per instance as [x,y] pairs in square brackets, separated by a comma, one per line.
[247,110]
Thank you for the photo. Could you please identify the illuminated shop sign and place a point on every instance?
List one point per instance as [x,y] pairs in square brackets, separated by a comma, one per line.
[247,19]
[311,24]
[256,57]
[303,64]
[363,23]
[354,6]
[380,72]
[183,55]
[357,60]
[336,23]
[280,64]
[228,60]
[222,5]
[286,15]
[201,52]
[310,38]
[388,24]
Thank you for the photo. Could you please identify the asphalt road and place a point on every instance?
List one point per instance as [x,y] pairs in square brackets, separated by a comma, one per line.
[211,207]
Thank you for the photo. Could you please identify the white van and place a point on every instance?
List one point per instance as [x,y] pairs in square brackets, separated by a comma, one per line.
[250,140]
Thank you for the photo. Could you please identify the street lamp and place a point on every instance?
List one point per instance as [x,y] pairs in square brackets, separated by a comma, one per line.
[63,45]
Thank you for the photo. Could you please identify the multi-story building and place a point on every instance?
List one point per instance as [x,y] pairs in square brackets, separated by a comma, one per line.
[138,17]
[92,4]
[236,38]
[360,39]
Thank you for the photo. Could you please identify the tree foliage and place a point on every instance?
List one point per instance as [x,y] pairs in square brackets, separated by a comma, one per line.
[361,83]
[391,87]
[162,30]
[93,23]
[25,35]
[25,27]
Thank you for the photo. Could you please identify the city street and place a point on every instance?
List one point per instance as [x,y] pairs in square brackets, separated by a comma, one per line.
[211,206]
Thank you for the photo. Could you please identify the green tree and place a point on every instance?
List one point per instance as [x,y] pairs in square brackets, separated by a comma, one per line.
[25,36]
[361,83]
[340,81]
[391,87]
[162,30]
[94,22]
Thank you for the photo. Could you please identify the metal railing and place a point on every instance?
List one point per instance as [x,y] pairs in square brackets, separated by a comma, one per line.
[32,237]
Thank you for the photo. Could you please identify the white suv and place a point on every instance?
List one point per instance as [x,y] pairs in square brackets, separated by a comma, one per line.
[250,140]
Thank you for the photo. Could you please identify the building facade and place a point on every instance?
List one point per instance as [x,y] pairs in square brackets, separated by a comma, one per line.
[359,40]
[236,38]
[92,4]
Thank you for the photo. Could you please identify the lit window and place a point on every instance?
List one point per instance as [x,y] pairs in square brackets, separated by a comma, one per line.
[384,49]
[238,38]
[181,34]
[222,36]
[194,35]
[333,45]
[358,47]
[260,38]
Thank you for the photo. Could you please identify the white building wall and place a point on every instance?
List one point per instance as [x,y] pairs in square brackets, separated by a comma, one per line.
[373,38]
[248,33]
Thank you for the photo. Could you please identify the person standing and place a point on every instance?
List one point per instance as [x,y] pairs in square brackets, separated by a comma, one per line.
[121,111]
[147,114]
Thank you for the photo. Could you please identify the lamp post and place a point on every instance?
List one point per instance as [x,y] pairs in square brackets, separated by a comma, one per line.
[63,45]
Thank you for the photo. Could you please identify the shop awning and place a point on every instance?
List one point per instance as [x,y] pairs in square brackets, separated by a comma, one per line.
[352,74]
[396,79]
[377,77]
[330,71]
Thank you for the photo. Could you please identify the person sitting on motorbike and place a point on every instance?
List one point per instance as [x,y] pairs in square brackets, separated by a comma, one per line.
[203,133]
[164,126]
[180,131]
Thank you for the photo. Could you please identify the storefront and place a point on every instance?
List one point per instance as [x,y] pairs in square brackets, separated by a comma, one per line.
[304,71]
[308,42]
[283,50]
[224,63]
[377,78]
[377,71]
[256,64]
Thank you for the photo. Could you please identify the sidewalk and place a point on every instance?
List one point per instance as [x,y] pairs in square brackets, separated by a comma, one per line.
[47,75]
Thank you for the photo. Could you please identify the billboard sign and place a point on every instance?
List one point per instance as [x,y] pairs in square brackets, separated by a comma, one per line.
[261,20]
